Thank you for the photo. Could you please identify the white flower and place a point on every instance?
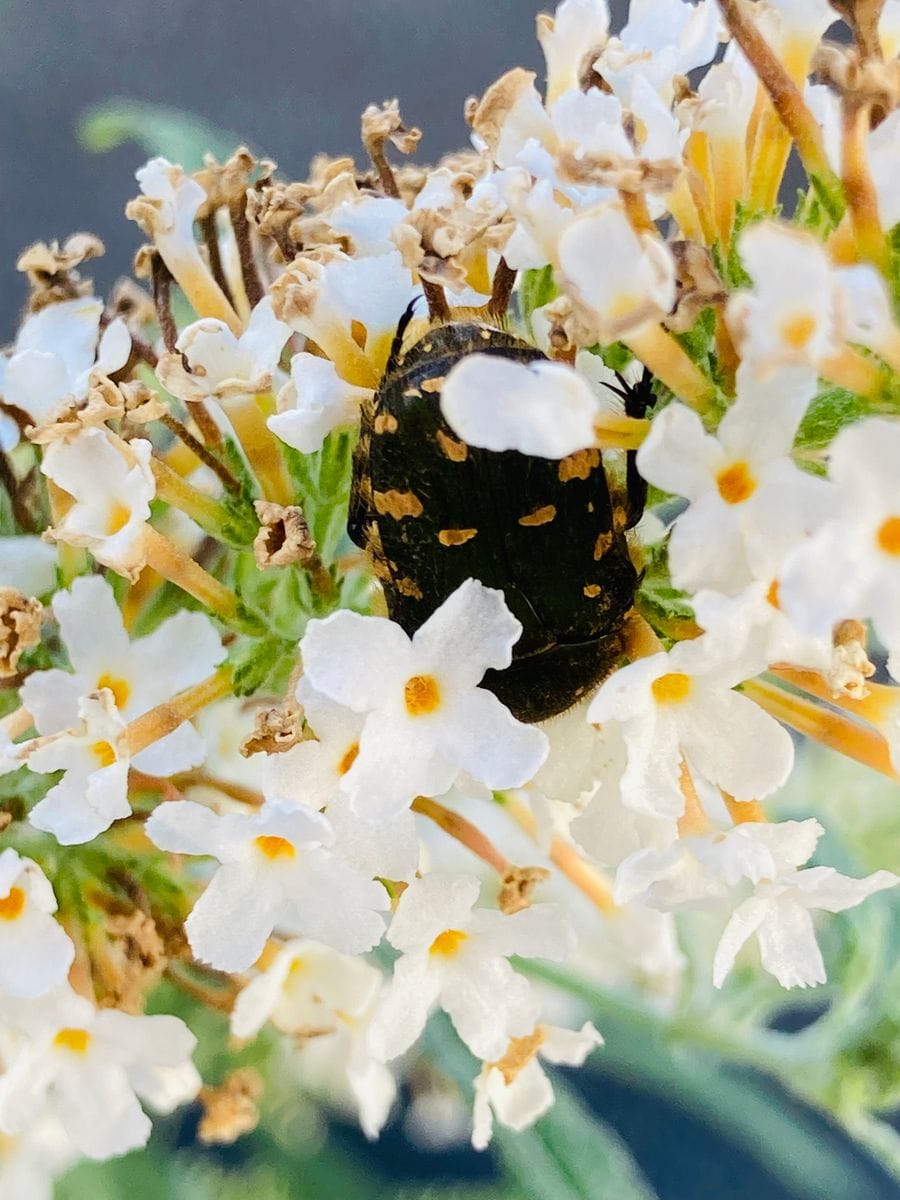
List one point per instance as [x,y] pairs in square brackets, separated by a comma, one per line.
[662,39]
[27,564]
[680,705]
[311,992]
[57,351]
[35,951]
[792,314]
[455,955]
[851,567]
[778,915]
[31,1162]
[577,27]
[311,773]
[276,871]
[349,307]
[540,408]
[88,1067]
[181,651]
[314,402]
[515,1090]
[621,280]
[425,716]
[94,756]
[223,365]
[749,504]
[176,199]
[698,869]
[112,485]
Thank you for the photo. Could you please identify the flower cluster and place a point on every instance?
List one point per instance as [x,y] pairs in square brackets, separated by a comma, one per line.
[293,776]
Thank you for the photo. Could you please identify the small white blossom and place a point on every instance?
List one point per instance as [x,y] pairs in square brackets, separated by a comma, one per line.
[679,705]
[515,1090]
[316,995]
[221,365]
[311,773]
[35,951]
[88,1067]
[112,485]
[94,756]
[276,871]
[749,504]
[576,28]
[175,199]
[31,1162]
[851,566]
[314,402]
[621,280]
[426,719]
[57,352]
[455,955]
[27,564]
[540,408]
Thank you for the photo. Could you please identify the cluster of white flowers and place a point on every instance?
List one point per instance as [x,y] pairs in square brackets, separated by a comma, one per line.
[619,220]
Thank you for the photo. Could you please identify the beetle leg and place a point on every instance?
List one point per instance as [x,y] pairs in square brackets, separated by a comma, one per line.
[637,400]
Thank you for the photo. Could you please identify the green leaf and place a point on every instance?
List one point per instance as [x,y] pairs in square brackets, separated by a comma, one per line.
[157,129]
[538,288]
[262,664]
[828,413]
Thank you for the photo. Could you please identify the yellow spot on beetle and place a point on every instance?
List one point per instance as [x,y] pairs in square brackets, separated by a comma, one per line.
[75,1040]
[449,943]
[889,536]
[602,544]
[454,450]
[735,483]
[275,847]
[433,385]
[398,504]
[407,587]
[578,465]
[120,688]
[456,537]
[385,423]
[422,695]
[12,905]
[592,589]
[671,688]
[540,516]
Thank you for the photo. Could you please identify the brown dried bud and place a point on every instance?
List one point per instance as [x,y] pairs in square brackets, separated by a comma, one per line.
[383,123]
[634,175]
[226,184]
[518,885]
[498,102]
[274,731]
[104,402]
[283,537]
[861,81]
[20,628]
[51,270]
[697,282]
[863,17]
[231,1109]
[128,960]
[130,302]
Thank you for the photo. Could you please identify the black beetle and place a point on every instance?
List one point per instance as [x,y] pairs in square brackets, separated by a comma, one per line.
[433,511]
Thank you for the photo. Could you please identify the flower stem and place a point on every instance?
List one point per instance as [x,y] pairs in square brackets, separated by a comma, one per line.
[586,878]
[658,350]
[173,564]
[248,417]
[859,188]
[855,372]
[463,831]
[143,731]
[832,729]
[209,513]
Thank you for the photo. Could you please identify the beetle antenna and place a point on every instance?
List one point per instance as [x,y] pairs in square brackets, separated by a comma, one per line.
[402,326]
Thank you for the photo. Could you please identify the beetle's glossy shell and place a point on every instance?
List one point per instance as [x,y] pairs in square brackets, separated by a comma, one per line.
[434,511]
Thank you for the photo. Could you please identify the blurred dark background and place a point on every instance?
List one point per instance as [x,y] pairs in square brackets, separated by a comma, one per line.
[289,76]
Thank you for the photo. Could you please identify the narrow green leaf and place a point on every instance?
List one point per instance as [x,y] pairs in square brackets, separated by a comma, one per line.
[157,129]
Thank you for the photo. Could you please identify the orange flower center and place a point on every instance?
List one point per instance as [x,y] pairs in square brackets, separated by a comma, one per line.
[104,753]
[349,759]
[12,905]
[118,517]
[275,847]
[449,943]
[671,688]
[75,1040]
[735,483]
[120,688]
[797,330]
[889,536]
[772,594]
[422,695]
